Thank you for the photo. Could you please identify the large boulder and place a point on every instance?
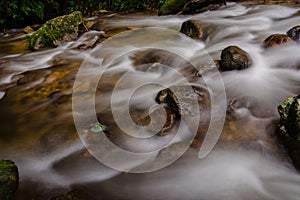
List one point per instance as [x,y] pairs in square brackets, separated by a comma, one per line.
[276,40]
[294,33]
[234,58]
[56,31]
[198,6]
[172,7]
[289,128]
[9,179]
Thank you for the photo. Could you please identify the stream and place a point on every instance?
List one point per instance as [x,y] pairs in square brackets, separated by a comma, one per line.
[50,100]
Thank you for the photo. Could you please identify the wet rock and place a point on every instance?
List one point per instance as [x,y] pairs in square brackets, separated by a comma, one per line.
[234,58]
[193,29]
[9,179]
[90,39]
[154,56]
[198,6]
[276,40]
[289,128]
[181,99]
[56,31]
[28,29]
[171,7]
[32,76]
[294,33]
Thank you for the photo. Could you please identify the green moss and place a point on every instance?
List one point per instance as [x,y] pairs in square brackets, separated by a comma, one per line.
[172,7]
[289,111]
[284,108]
[56,31]
[8,179]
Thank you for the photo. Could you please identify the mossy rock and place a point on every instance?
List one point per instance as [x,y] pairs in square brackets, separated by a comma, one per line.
[289,128]
[9,179]
[56,31]
[171,7]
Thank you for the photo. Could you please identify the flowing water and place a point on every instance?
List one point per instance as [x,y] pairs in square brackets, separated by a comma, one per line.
[37,125]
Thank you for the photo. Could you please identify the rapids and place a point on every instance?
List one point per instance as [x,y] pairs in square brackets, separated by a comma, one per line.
[38,131]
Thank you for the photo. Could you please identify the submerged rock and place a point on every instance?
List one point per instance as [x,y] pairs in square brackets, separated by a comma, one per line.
[276,40]
[172,7]
[181,99]
[294,33]
[234,58]
[195,30]
[9,179]
[198,6]
[289,128]
[56,31]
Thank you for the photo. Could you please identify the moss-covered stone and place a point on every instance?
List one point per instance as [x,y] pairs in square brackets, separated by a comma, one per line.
[284,108]
[56,31]
[9,179]
[172,7]
[289,128]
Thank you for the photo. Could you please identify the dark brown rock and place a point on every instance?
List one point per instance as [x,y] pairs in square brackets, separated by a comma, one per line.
[234,58]
[195,30]
[276,40]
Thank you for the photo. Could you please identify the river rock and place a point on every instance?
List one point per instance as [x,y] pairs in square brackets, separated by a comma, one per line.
[294,33]
[195,30]
[276,40]
[181,99]
[198,6]
[234,58]
[289,128]
[9,179]
[56,31]
[171,7]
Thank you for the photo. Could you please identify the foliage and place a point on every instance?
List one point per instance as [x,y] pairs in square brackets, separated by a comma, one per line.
[172,6]
[130,5]
[16,11]
[97,127]
[20,13]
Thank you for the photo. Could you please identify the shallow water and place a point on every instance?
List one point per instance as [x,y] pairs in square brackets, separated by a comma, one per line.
[39,134]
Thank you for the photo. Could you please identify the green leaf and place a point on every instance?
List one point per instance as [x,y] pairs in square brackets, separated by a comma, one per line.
[97,127]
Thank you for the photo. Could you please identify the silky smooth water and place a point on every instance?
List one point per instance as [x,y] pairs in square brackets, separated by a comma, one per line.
[38,131]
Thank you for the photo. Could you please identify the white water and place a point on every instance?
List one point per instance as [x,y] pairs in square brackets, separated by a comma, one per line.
[227,173]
